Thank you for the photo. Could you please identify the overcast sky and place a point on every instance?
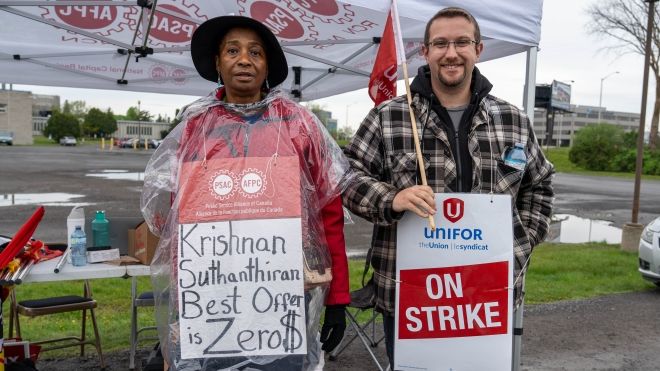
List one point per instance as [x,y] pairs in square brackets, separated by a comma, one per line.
[566,53]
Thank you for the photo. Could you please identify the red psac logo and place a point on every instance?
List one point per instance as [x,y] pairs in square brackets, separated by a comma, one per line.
[452,208]
[326,7]
[171,29]
[281,22]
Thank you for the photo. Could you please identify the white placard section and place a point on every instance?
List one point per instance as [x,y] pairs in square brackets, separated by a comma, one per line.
[240,288]
[454,296]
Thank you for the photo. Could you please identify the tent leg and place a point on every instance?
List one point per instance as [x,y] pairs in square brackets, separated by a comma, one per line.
[529,93]
[517,336]
[2,337]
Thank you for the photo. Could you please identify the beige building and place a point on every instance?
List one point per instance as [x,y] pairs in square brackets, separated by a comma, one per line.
[140,129]
[16,114]
[567,123]
[43,105]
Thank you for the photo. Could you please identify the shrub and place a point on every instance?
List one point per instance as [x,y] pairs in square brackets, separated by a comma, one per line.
[62,124]
[624,161]
[595,146]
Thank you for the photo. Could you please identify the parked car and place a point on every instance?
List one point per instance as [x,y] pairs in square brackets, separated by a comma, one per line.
[117,141]
[127,143]
[7,137]
[151,143]
[649,252]
[68,141]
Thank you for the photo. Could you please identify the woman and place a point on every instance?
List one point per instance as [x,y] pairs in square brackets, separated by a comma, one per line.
[258,148]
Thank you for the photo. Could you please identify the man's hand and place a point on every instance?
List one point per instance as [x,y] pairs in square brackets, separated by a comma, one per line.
[333,327]
[418,199]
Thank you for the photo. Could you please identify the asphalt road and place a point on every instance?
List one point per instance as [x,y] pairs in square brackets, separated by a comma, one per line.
[76,170]
[617,332]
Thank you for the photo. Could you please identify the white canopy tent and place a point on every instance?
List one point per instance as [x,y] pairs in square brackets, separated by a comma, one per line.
[329,44]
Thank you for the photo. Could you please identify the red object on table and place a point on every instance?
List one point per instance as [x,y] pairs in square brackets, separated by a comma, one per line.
[21,237]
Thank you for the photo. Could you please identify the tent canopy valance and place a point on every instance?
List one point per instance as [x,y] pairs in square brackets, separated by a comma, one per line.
[330,45]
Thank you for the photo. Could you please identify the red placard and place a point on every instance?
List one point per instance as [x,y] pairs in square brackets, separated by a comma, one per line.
[239,189]
[451,302]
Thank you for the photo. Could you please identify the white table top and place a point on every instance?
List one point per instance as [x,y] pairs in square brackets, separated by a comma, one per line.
[45,271]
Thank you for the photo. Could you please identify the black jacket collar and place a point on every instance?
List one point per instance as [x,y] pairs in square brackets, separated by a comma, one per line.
[480,86]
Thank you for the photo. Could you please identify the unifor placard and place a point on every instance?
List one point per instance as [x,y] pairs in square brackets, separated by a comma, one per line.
[454,286]
[239,265]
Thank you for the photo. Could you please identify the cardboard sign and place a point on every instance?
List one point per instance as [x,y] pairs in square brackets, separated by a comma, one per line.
[240,275]
[454,286]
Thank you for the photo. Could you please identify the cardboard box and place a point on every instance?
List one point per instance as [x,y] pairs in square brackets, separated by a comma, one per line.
[142,243]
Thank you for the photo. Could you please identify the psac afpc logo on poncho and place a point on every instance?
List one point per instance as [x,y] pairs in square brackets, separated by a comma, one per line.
[249,183]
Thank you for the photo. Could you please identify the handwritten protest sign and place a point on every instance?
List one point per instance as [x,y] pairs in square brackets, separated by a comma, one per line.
[240,278]
[454,295]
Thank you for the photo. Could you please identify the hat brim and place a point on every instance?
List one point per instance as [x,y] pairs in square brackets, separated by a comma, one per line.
[205,40]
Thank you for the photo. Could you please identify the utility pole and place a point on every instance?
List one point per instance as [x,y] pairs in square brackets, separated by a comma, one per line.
[633,231]
[139,124]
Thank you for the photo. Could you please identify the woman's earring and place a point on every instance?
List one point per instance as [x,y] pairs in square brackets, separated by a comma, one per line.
[219,80]
[267,85]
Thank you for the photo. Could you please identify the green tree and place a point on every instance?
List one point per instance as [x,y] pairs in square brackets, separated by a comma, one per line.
[345,133]
[77,108]
[99,123]
[624,21]
[133,114]
[319,111]
[173,123]
[62,124]
[595,146]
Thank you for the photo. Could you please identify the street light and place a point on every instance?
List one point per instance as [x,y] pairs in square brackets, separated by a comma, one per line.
[348,105]
[600,100]
[139,126]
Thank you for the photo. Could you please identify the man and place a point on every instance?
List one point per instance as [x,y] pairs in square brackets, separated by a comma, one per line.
[465,134]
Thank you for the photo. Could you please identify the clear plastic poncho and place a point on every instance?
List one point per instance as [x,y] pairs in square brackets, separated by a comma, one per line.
[227,163]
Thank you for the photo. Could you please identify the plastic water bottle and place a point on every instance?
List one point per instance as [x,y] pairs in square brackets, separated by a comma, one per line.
[78,247]
[516,157]
[101,230]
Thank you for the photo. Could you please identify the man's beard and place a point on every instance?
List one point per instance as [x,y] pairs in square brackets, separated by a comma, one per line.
[455,82]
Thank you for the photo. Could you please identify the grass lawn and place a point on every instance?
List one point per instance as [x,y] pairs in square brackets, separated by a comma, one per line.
[40,140]
[557,272]
[559,158]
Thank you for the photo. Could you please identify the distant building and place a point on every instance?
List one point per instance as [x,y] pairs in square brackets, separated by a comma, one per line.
[331,125]
[42,105]
[15,114]
[567,123]
[125,129]
[140,129]
[326,118]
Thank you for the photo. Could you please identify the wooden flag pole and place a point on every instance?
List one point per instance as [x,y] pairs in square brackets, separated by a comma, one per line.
[418,149]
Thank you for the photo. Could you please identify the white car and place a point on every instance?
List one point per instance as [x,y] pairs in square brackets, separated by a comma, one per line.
[649,252]
[68,141]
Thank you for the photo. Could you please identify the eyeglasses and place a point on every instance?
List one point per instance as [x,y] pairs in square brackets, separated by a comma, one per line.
[458,44]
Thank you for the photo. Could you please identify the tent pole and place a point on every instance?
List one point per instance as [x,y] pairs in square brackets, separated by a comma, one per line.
[529,96]
[529,93]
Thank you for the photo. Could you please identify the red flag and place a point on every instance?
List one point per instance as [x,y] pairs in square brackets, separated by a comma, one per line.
[382,82]
[21,237]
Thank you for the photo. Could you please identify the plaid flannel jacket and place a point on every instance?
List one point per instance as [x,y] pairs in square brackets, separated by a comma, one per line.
[382,153]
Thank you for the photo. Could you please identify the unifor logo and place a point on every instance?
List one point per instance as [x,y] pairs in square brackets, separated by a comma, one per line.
[453,209]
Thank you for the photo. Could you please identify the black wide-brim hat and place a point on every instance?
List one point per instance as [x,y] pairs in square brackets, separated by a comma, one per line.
[205,40]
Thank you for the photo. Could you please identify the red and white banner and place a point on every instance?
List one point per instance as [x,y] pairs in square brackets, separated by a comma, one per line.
[84,44]
[382,82]
[454,286]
